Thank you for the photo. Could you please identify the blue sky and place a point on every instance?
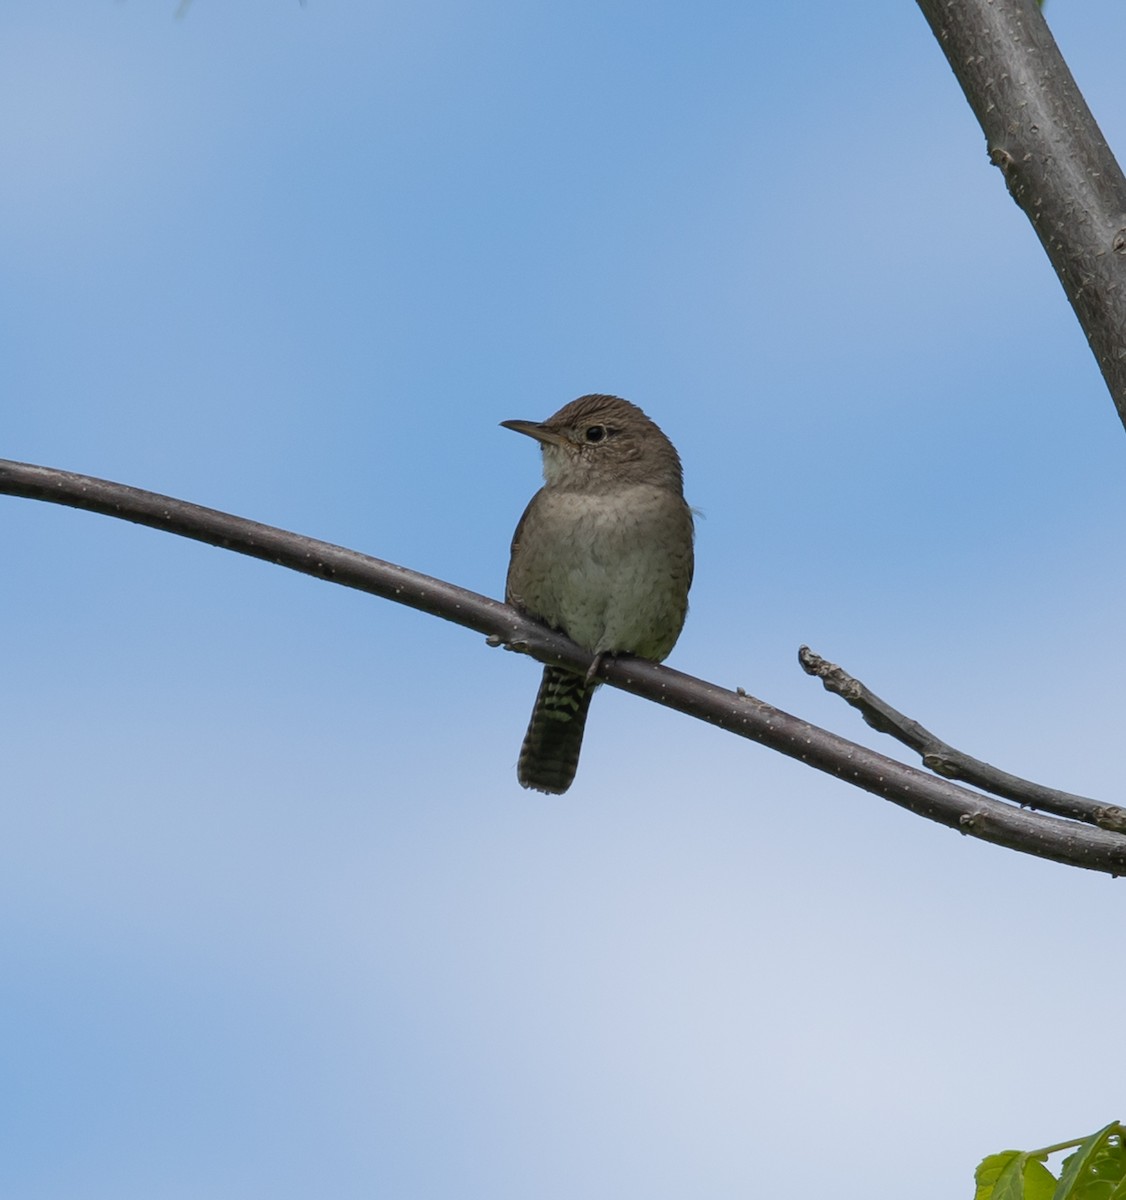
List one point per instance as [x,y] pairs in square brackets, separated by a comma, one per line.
[275,918]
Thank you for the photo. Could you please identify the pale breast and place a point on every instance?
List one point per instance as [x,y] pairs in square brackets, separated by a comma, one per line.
[611,570]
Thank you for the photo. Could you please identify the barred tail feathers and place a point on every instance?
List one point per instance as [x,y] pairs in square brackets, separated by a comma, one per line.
[549,756]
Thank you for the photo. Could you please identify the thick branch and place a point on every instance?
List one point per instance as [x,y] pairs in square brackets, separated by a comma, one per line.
[937,799]
[292,550]
[1057,165]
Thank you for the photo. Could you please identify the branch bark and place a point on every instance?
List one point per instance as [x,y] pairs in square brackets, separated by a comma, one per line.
[1060,840]
[943,759]
[1055,161]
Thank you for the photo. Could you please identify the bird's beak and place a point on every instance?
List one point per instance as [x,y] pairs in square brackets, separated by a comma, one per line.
[536,430]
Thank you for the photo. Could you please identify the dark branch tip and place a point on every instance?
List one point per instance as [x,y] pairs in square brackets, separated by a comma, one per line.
[811,663]
[834,678]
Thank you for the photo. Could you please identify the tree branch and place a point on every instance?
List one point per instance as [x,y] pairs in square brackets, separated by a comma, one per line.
[1056,163]
[937,799]
[943,759]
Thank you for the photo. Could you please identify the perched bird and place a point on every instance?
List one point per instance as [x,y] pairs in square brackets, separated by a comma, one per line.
[604,553]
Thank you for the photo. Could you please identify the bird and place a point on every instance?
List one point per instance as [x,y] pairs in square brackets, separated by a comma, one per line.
[604,553]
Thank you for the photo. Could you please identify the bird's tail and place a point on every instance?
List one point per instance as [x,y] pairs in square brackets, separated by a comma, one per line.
[549,756]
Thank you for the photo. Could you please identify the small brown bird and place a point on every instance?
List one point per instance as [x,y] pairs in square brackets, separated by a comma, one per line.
[604,553]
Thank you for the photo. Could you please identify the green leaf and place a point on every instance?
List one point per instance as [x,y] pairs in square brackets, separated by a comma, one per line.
[989,1171]
[1097,1170]
[1039,1182]
[1010,1183]
[1012,1175]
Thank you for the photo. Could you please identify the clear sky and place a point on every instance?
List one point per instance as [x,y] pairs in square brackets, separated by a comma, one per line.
[275,918]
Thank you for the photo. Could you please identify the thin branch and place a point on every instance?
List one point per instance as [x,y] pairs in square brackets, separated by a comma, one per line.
[945,760]
[937,799]
[1057,165]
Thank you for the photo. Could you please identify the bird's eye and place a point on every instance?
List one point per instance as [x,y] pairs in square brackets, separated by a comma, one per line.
[595,433]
